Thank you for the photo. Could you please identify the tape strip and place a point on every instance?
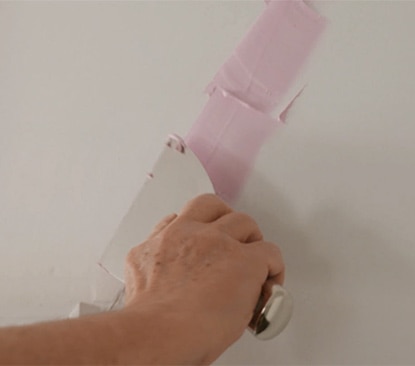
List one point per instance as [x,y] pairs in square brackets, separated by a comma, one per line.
[226,138]
[265,63]
[236,121]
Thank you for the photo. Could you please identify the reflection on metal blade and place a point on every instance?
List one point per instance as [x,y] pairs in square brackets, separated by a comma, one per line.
[176,178]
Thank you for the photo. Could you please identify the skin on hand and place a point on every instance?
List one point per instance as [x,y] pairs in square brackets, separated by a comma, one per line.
[206,266]
[191,289]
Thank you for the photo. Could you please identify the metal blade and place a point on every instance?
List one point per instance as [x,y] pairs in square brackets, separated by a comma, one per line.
[177,177]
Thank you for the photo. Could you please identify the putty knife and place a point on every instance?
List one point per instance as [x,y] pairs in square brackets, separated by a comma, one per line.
[177,177]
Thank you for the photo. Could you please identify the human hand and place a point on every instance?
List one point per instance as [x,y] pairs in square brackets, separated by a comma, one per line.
[207,266]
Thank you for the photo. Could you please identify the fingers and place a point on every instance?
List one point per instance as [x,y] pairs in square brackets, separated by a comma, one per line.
[162,225]
[240,227]
[205,208]
[269,256]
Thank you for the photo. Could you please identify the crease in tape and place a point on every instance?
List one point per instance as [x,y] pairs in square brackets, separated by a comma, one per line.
[226,137]
[255,79]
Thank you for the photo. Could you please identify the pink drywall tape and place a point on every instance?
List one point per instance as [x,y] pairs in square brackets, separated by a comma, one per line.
[235,122]
[267,60]
[226,137]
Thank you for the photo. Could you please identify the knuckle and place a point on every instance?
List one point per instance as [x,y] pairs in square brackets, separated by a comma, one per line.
[209,198]
[278,255]
[206,197]
[134,254]
[168,218]
[243,217]
[172,232]
[131,256]
[274,249]
[277,250]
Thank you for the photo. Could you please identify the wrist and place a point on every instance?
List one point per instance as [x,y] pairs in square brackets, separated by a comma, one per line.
[162,333]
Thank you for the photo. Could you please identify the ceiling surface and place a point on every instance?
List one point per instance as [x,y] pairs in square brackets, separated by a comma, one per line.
[90,90]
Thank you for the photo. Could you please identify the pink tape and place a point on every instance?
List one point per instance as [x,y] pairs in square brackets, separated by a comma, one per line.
[266,62]
[234,124]
[226,138]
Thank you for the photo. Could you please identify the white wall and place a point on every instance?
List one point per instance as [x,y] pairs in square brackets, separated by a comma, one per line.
[88,91]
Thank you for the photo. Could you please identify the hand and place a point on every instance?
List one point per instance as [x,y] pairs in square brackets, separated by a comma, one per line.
[208,263]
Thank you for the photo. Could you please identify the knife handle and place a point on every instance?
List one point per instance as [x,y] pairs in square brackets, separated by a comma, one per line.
[272,312]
